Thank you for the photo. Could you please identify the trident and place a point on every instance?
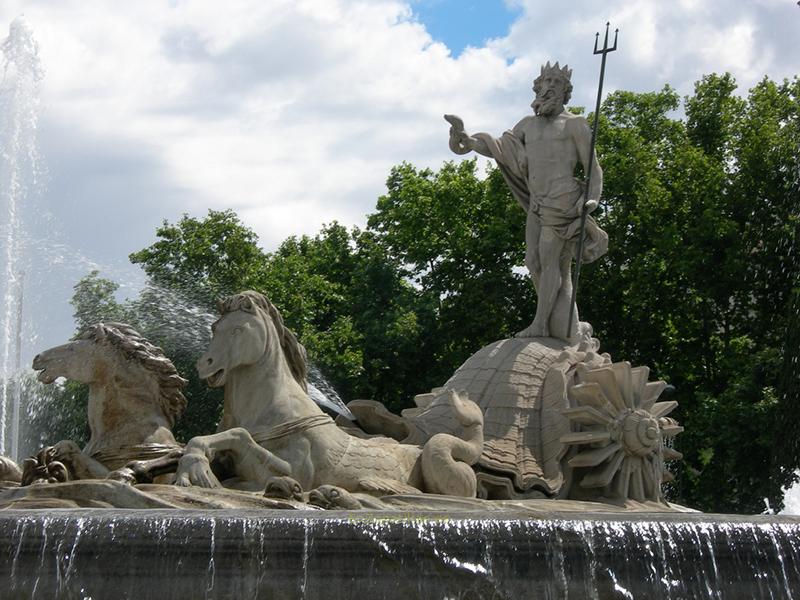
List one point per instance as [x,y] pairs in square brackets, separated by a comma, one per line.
[585,213]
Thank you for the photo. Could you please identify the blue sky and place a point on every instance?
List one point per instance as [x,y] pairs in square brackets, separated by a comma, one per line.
[462,23]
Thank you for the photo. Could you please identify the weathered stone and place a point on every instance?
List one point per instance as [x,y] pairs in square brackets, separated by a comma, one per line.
[522,403]
[537,159]
[10,473]
[270,426]
[374,554]
[135,395]
[620,443]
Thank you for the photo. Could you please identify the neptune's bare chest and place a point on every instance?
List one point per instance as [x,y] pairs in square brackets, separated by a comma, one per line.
[550,143]
[544,130]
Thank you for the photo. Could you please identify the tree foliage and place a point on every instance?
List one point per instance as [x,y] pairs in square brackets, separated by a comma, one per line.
[207,258]
[697,284]
[358,317]
[459,238]
[700,283]
[166,318]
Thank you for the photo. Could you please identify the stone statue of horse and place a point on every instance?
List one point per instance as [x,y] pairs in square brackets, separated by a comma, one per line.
[135,395]
[273,428]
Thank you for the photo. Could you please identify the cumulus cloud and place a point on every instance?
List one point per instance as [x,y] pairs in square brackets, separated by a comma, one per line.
[661,42]
[309,103]
[292,112]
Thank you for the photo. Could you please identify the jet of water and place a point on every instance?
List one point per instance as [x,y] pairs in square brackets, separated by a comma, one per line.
[19,170]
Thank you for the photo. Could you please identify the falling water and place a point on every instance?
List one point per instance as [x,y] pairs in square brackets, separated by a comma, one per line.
[309,554]
[19,170]
[323,393]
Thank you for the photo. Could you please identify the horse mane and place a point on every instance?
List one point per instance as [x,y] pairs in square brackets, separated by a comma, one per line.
[294,351]
[133,346]
[9,470]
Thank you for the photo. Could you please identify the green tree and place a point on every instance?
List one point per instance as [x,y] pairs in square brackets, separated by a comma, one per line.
[51,413]
[166,319]
[339,291]
[698,211]
[767,183]
[459,238]
[701,282]
[58,412]
[353,309]
[207,258]
[93,301]
[193,263]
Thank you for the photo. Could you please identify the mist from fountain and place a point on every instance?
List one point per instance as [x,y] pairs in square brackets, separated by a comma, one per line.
[168,317]
[20,176]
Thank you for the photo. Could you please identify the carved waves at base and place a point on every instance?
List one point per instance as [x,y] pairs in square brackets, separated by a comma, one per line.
[105,493]
[521,386]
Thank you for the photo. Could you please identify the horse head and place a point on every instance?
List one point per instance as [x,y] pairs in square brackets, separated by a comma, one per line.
[249,328]
[115,355]
[82,360]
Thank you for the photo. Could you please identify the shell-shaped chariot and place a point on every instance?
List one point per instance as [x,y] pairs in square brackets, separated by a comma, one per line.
[560,421]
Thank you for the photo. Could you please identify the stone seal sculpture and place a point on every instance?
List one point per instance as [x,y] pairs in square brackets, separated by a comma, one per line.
[537,159]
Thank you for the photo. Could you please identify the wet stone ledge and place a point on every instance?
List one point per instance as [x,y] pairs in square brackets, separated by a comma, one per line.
[141,554]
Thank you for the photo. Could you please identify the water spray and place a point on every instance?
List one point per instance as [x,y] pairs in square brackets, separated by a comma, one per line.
[19,115]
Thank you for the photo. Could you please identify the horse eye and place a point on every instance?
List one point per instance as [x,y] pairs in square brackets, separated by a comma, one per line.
[334,494]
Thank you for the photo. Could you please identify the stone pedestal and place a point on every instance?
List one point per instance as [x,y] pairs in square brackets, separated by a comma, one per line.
[140,554]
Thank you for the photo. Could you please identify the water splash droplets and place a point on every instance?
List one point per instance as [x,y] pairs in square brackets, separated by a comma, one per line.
[20,170]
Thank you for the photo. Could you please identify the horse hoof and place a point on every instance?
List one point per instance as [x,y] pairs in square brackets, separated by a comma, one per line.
[123,475]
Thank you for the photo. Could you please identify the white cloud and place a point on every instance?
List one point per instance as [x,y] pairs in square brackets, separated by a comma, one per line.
[293,112]
[663,42]
[245,106]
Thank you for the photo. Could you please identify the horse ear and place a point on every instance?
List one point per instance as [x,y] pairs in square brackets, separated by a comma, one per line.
[99,332]
[248,305]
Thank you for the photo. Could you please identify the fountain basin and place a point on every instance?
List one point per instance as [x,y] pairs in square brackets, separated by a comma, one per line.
[114,553]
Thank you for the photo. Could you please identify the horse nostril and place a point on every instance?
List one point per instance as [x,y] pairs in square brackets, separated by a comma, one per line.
[209,361]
